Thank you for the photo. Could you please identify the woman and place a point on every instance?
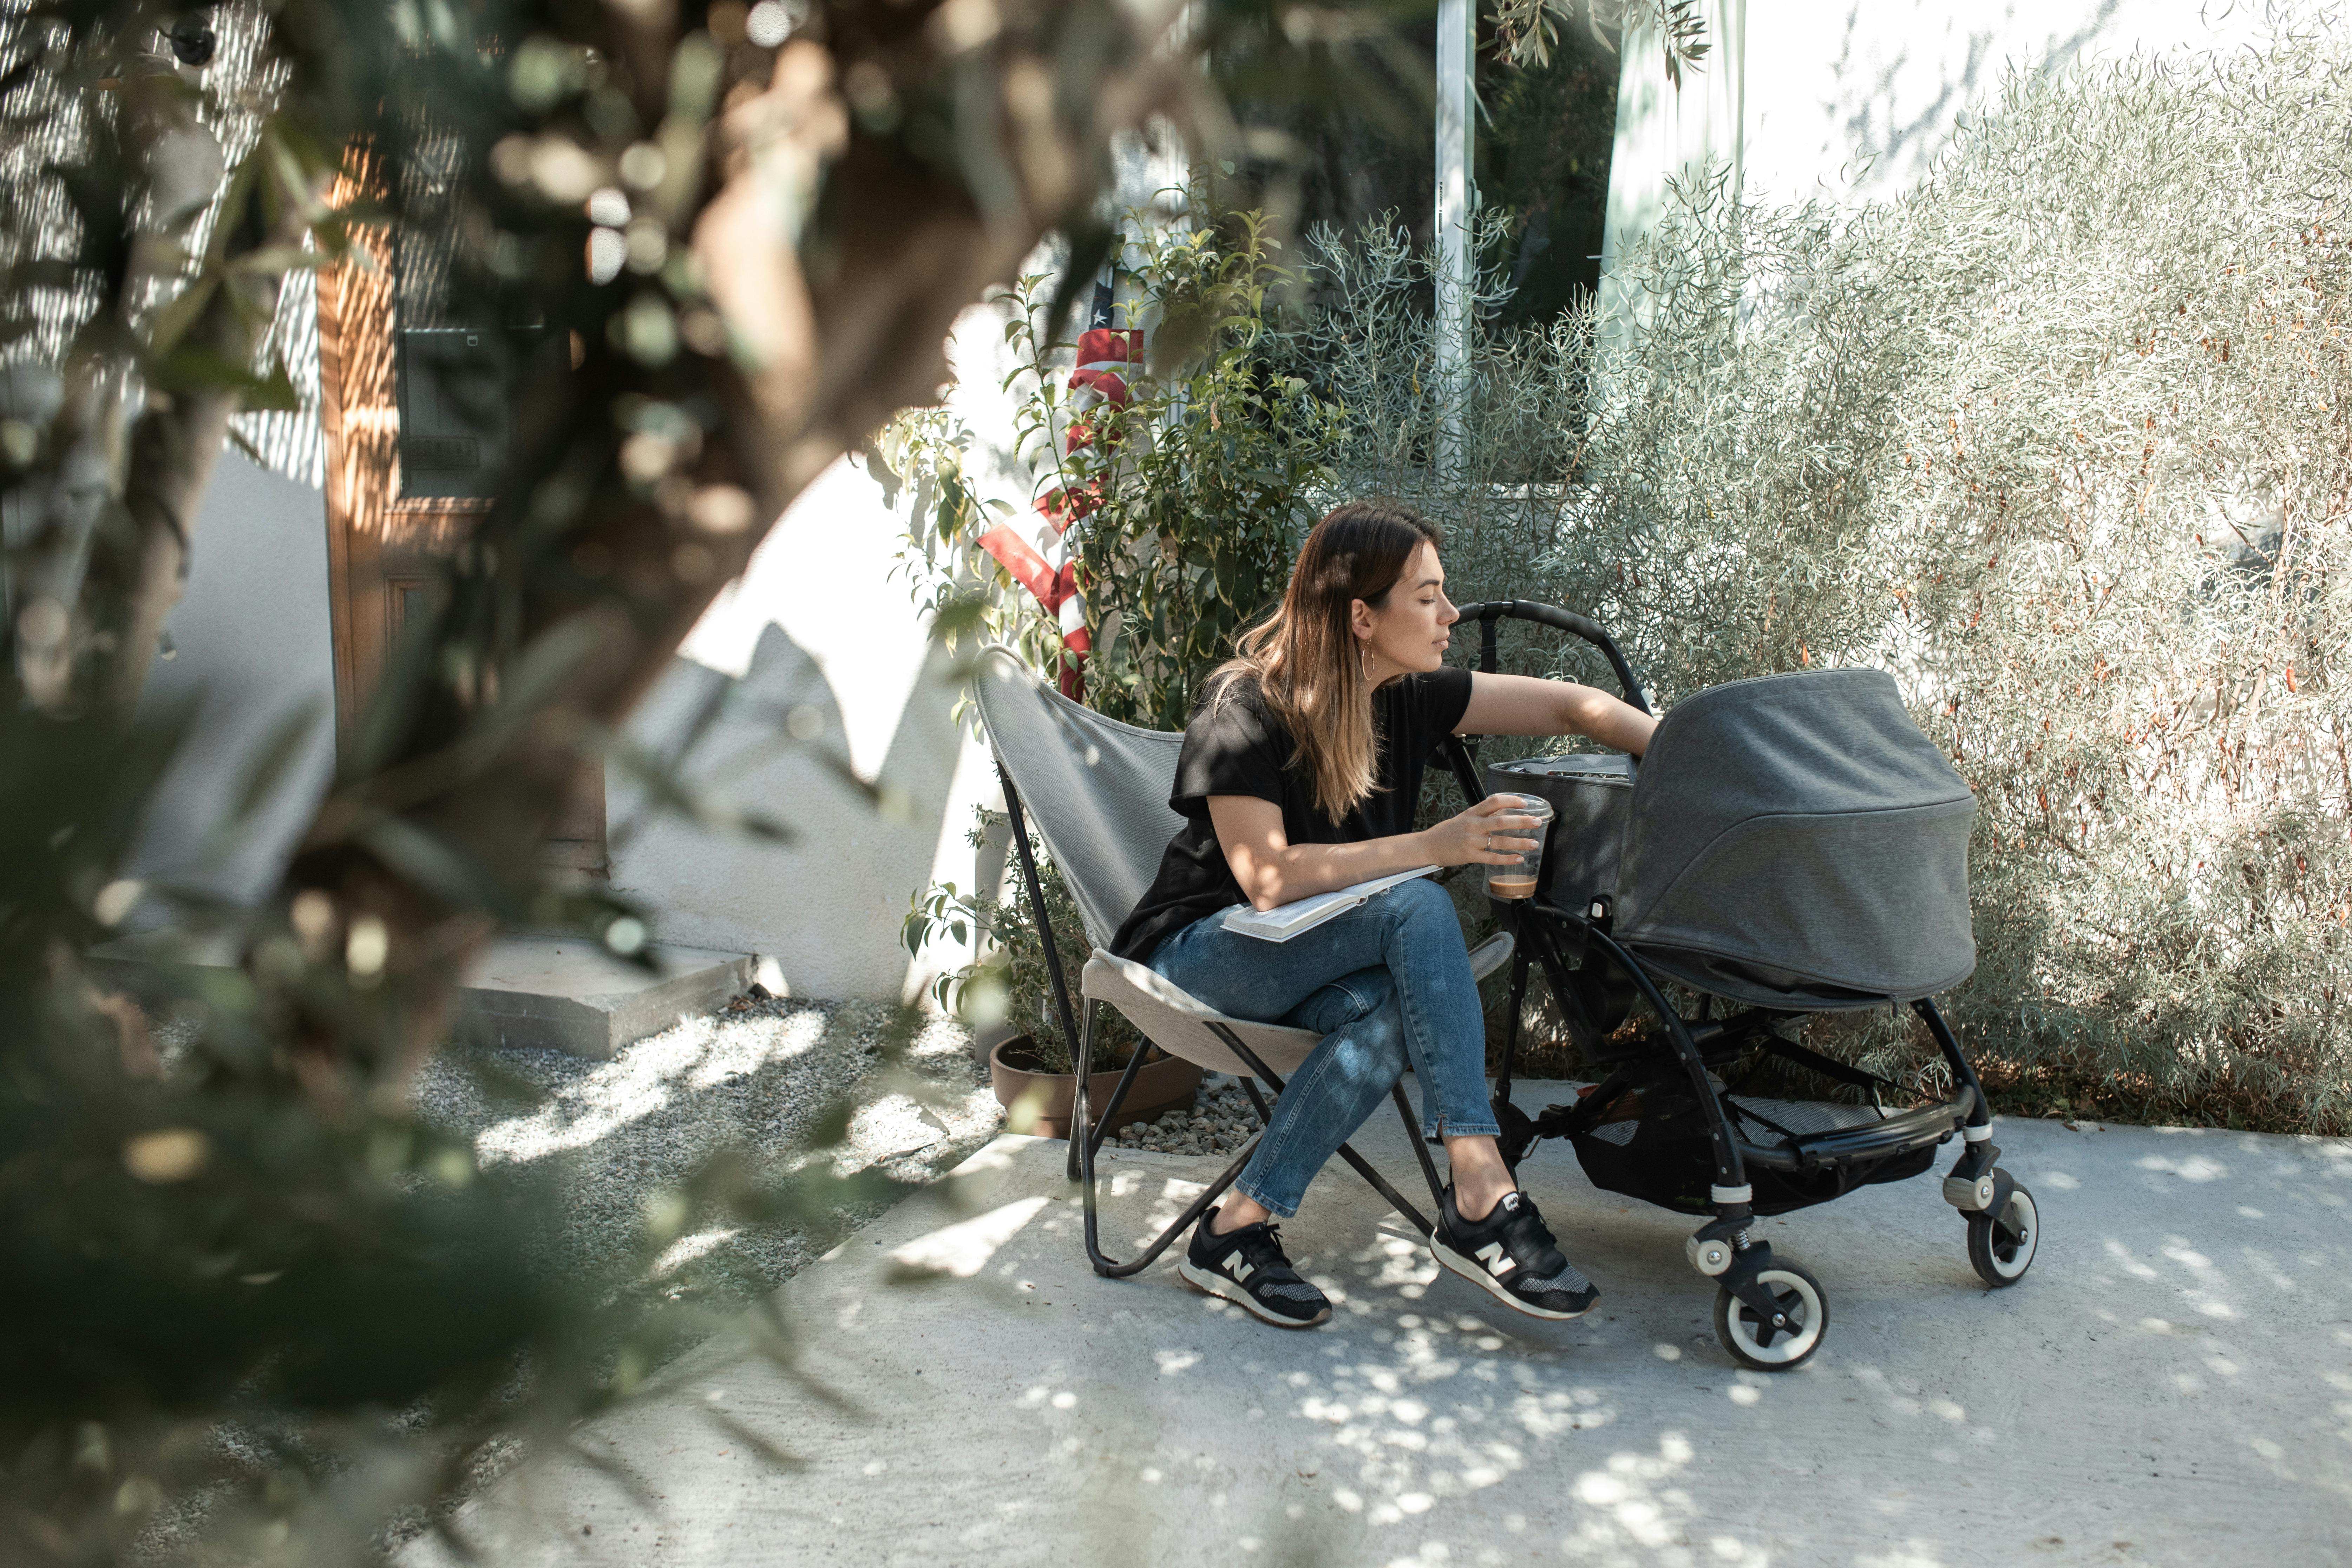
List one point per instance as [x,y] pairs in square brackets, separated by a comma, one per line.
[1299,774]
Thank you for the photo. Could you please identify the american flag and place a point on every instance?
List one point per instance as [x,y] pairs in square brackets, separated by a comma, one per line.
[1034,549]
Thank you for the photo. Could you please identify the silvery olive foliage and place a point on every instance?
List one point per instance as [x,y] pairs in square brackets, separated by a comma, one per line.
[2060,438]
[256,1309]
[1526,31]
[1366,342]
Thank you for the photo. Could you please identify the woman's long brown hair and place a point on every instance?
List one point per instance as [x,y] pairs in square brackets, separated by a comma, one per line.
[1305,655]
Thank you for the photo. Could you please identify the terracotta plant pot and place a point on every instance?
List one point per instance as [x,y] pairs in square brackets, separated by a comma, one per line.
[1038,1103]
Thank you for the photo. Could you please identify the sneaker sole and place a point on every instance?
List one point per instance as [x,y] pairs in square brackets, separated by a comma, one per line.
[1470,1269]
[1217,1285]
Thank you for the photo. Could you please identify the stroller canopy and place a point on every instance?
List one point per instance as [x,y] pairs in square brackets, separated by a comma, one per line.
[1794,841]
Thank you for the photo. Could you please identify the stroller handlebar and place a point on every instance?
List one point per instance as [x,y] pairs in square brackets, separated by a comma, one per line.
[1492,610]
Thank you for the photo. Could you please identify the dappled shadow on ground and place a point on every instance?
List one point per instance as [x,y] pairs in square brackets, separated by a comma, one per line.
[760,1079]
[2166,1386]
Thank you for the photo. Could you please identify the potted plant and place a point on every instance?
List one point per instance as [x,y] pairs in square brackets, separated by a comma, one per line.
[1007,987]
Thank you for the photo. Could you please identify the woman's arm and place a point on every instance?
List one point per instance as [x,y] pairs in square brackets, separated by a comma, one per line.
[1523,705]
[1273,871]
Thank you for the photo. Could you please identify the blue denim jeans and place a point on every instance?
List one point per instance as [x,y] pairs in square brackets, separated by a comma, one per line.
[1386,983]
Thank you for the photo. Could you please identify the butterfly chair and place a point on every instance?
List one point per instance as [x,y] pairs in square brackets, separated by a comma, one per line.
[1097,791]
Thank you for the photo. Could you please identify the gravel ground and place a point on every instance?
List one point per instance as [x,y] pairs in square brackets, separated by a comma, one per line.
[1219,1122]
[759,1076]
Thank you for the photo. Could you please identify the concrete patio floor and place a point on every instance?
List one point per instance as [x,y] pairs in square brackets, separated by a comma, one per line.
[2172,1383]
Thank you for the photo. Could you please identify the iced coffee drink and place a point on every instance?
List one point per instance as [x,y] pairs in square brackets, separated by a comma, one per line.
[1517,877]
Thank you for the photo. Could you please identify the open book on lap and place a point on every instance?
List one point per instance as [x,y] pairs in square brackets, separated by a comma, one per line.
[1284,922]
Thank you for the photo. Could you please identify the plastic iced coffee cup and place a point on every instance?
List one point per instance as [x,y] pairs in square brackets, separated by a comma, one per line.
[1517,879]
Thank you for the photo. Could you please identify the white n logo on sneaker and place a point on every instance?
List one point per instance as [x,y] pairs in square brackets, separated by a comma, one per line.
[1491,1255]
[1241,1268]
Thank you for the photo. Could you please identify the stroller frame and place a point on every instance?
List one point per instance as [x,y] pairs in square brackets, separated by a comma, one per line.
[1725,1248]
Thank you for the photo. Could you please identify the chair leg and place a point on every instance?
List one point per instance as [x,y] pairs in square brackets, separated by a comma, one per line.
[1112,1268]
[1117,1095]
[1084,1148]
[1380,1184]
[1081,1110]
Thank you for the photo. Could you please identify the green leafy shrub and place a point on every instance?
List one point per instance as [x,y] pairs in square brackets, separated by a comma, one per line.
[1009,983]
[1222,469]
[2058,439]
[1204,483]
[1207,481]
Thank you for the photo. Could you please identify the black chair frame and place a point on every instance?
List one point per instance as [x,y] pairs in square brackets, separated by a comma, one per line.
[1087,1135]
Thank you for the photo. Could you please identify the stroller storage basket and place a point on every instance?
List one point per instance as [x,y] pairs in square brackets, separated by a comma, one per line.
[1661,1154]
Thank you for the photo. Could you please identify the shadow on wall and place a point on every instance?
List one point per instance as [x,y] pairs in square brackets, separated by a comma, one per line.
[1897,90]
[1855,104]
[252,667]
[826,906]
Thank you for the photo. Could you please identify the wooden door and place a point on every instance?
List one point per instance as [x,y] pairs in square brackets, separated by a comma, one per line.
[385,537]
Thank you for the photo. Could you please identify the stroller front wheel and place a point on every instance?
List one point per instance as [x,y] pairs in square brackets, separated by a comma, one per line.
[2002,1248]
[1756,1342]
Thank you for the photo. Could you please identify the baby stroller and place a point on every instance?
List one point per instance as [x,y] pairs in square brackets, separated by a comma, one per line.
[1789,845]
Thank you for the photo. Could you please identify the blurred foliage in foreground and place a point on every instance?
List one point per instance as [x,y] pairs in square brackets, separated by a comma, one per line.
[255,1310]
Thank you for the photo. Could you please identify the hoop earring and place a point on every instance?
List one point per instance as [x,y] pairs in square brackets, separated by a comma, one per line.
[1368,665]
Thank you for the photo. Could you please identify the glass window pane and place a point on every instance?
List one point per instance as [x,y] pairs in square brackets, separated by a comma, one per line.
[1543,161]
[1363,145]
[1365,150]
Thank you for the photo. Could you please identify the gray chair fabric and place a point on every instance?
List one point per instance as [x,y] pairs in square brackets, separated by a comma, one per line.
[1095,789]
[1794,841]
[1097,792]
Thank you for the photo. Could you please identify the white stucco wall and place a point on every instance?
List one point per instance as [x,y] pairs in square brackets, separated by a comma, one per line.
[822,624]
[817,664]
[812,668]
[253,658]
[1852,100]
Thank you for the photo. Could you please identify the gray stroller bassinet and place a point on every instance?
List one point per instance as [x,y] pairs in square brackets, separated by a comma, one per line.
[1789,845]
[1792,841]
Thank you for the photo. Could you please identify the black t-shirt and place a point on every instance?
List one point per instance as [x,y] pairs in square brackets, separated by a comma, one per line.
[1241,746]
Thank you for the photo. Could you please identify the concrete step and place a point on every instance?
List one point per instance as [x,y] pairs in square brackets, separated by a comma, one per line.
[570,994]
[564,992]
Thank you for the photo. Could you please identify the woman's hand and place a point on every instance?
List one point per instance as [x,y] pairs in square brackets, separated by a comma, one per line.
[1272,871]
[1470,839]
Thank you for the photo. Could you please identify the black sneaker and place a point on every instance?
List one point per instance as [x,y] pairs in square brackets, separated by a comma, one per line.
[1512,1254]
[1246,1267]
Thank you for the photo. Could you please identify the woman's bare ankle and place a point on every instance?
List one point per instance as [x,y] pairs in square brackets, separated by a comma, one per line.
[1236,1212]
[1481,1179]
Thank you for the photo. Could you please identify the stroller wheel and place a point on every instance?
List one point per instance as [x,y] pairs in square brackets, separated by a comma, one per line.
[1753,1342]
[2001,1248]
